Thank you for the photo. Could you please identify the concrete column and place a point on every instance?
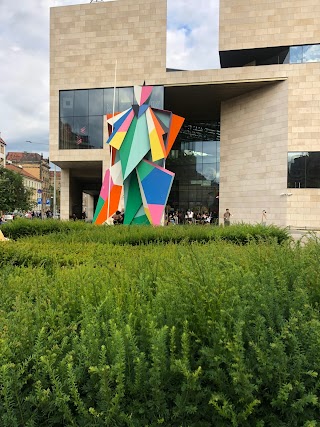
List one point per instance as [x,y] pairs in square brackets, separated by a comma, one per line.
[90,207]
[65,194]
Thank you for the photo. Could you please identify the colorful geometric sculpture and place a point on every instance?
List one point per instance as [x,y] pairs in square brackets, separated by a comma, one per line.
[139,137]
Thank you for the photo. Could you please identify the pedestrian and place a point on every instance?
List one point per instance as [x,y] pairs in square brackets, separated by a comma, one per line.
[226,217]
[264,218]
[74,217]
[117,218]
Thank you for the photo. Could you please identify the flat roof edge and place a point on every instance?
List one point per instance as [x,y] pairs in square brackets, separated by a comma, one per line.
[231,81]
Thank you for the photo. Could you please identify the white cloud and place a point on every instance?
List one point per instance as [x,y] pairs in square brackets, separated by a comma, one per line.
[24,55]
[192,39]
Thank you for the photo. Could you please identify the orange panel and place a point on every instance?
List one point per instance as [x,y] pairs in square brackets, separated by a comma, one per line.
[175,126]
[113,205]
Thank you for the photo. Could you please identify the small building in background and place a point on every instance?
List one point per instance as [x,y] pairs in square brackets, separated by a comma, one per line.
[38,167]
[55,185]
[2,152]
[30,182]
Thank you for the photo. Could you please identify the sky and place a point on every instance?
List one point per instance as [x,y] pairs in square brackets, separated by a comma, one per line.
[192,43]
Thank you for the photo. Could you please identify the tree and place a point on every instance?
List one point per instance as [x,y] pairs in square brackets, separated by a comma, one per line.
[13,194]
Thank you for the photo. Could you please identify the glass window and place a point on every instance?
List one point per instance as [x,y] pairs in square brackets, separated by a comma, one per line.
[297,169]
[95,102]
[95,135]
[157,97]
[196,163]
[67,135]
[81,102]
[125,98]
[311,53]
[313,170]
[108,95]
[81,129]
[66,103]
[296,54]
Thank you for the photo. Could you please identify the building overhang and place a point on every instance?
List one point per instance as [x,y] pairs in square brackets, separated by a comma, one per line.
[203,100]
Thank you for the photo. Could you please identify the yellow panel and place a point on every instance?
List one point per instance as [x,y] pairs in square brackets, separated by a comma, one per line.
[117,140]
[156,146]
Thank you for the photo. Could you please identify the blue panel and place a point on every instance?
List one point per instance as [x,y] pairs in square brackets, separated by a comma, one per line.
[142,109]
[117,125]
[156,186]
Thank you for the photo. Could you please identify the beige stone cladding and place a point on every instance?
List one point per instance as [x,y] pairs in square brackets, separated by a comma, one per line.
[304,135]
[265,23]
[253,155]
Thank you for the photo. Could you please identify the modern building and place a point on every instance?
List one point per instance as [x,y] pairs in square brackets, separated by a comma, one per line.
[2,153]
[29,181]
[251,136]
[39,167]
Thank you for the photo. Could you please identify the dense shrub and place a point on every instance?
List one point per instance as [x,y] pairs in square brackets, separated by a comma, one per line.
[197,334]
[136,235]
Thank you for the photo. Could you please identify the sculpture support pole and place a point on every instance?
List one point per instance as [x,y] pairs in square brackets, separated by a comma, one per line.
[110,148]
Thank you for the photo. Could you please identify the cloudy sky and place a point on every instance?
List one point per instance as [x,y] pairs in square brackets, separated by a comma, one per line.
[192,43]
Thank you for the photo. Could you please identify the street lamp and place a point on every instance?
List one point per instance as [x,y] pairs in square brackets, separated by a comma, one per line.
[54,181]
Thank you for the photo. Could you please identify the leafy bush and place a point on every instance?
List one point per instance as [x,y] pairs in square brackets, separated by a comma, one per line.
[204,333]
[136,235]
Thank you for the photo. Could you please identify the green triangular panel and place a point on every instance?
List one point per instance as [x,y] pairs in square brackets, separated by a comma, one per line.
[124,152]
[98,208]
[141,220]
[133,198]
[139,146]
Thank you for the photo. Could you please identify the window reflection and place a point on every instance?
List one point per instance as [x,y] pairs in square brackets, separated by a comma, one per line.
[195,160]
[306,53]
[108,96]
[66,103]
[311,53]
[313,170]
[157,97]
[296,54]
[297,170]
[81,103]
[95,131]
[304,169]
[95,102]
[125,98]
[66,133]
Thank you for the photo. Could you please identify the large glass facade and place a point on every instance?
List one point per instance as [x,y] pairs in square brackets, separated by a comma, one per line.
[304,169]
[82,111]
[195,160]
[270,55]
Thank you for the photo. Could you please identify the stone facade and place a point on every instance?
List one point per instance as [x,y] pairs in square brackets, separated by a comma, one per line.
[266,111]
[247,24]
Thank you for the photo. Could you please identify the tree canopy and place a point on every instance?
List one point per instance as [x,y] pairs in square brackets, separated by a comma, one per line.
[13,194]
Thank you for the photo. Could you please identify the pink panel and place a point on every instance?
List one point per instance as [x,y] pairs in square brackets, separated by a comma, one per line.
[105,185]
[145,93]
[156,212]
[125,125]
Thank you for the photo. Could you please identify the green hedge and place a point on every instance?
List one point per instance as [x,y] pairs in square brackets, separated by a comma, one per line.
[196,334]
[136,235]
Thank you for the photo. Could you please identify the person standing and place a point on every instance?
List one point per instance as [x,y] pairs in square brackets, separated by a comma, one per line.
[226,217]
[264,218]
